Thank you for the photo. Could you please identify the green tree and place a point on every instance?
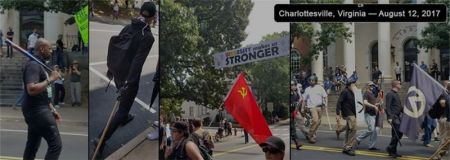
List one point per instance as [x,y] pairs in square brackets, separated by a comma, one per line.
[270,80]
[319,41]
[437,35]
[170,108]
[177,46]
[193,32]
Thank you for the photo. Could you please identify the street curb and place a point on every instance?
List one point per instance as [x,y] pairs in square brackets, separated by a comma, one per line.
[63,122]
[129,146]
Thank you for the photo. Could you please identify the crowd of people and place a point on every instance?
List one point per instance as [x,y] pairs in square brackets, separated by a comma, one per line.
[313,101]
[184,139]
[187,139]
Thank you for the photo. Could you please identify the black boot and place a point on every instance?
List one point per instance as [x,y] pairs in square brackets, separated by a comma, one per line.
[130,117]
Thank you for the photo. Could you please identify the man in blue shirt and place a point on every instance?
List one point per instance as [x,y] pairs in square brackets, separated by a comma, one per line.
[424,67]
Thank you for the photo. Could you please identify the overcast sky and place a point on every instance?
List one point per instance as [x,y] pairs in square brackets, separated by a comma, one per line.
[262,22]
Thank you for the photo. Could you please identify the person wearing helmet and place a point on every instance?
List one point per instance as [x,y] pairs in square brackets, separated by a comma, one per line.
[346,109]
[315,99]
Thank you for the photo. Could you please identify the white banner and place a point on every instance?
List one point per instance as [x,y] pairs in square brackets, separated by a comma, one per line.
[360,120]
[252,53]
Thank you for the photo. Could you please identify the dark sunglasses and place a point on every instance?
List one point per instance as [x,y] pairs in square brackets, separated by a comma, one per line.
[174,130]
[271,150]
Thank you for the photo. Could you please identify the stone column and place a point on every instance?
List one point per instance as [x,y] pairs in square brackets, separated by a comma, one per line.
[3,22]
[384,48]
[53,26]
[423,55]
[317,64]
[349,47]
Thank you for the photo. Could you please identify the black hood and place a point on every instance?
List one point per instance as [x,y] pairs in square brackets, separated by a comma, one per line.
[138,23]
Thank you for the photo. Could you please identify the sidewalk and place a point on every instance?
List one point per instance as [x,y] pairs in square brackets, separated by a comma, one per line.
[139,147]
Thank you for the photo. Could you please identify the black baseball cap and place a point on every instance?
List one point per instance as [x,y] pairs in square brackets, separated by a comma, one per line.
[148,9]
[180,126]
[275,142]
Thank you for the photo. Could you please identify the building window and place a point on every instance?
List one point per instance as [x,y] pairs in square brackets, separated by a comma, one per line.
[410,56]
[295,61]
[191,111]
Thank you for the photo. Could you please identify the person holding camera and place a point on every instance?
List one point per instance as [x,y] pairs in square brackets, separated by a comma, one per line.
[75,83]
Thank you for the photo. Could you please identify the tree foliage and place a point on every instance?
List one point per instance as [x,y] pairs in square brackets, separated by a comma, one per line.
[320,40]
[193,31]
[270,79]
[437,35]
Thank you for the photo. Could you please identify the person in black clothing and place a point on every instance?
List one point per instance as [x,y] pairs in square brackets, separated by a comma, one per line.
[434,70]
[60,53]
[155,91]
[376,75]
[10,36]
[394,110]
[39,115]
[128,84]
[162,137]
[346,108]
[441,110]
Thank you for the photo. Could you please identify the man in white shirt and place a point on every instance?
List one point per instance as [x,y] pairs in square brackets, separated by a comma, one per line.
[32,41]
[315,99]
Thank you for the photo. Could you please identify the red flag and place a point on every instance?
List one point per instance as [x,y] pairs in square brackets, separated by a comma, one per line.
[241,104]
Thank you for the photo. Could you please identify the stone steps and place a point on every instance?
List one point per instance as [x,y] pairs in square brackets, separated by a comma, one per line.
[11,78]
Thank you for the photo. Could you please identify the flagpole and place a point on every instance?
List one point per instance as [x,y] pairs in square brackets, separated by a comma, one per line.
[27,54]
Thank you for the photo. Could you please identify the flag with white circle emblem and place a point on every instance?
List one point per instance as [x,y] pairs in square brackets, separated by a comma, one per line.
[422,94]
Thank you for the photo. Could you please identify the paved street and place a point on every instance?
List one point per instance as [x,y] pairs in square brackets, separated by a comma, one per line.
[329,148]
[233,147]
[101,102]
[73,130]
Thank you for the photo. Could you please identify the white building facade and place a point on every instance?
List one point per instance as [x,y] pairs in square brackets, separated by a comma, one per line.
[195,111]
[48,24]
[382,45]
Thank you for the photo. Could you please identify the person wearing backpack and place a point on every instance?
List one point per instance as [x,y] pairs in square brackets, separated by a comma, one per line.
[182,148]
[127,53]
[202,137]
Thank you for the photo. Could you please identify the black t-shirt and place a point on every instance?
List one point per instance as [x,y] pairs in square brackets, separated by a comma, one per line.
[60,44]
[376,74]
[34,73]
[10,33]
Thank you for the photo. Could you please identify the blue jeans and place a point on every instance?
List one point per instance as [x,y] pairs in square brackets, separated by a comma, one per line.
[20,98]
[372,130]
[428,130]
